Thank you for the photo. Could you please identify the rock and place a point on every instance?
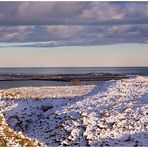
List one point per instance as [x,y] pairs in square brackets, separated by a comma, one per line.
[46,107]
[111,125]
[15,122]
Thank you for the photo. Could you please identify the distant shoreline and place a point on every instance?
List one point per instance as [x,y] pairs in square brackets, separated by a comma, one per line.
[64,77]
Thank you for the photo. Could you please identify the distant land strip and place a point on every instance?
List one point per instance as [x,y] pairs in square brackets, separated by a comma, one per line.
[64,77]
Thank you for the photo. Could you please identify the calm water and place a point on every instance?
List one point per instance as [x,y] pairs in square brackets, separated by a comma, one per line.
[69,70]
[36,83]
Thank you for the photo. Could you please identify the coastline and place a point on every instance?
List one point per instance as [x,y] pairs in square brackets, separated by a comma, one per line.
[64,77]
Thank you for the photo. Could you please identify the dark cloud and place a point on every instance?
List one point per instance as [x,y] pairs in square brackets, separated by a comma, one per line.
[73,13]
[73,23]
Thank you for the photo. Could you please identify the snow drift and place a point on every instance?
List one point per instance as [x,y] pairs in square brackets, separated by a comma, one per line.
[112,114]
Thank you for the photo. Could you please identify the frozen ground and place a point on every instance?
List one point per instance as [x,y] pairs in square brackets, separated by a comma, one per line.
[46,92]
[112,114]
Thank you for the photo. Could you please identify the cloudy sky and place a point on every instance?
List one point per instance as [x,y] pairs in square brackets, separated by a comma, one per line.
[53,27]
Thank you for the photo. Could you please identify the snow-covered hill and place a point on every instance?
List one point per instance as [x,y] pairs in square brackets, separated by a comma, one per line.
[112,114]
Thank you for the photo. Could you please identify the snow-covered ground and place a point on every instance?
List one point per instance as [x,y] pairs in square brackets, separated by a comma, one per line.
[46,92]
[114,113]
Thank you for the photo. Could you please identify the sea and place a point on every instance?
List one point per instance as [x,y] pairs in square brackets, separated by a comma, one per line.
[72,70]
[64,70]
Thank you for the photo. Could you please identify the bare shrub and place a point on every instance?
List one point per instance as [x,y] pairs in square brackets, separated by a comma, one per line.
[75,82]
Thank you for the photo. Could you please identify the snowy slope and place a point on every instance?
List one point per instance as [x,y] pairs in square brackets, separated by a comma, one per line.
[112,114]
